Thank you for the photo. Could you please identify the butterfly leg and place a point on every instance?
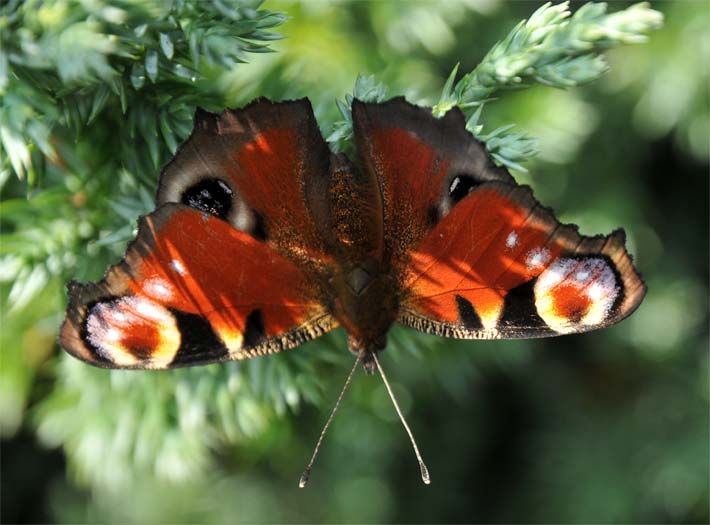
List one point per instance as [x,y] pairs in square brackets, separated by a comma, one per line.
[368,363]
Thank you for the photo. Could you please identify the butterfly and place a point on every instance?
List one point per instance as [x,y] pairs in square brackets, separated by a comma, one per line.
[263,239]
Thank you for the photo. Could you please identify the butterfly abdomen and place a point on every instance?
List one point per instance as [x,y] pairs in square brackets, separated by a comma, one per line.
[346,207]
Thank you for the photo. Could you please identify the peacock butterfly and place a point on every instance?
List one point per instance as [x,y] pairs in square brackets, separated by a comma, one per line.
[263,239]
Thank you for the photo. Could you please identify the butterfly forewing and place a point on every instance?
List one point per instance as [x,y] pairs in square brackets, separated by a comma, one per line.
[229,265]
[192,290]
[499,265]
[417,160]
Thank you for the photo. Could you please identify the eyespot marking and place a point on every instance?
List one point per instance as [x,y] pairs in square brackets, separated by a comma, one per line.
[158,288]
[575,292]
[258,229]
[133,330]
[512,240]
[461,185]
[211,196]
[199,340]
[519,309]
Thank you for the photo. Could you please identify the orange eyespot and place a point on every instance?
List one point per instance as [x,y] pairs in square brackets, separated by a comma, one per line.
[568,303]
[131,330]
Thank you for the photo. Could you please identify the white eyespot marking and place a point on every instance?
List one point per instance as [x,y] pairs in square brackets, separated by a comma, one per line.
[558,271]
[582,275]
[113,335]
[512,240]
[158,288]
[537,258]
[132,331]
[244,220]
[596,292]
[178,266]
[572,295]
[454,184]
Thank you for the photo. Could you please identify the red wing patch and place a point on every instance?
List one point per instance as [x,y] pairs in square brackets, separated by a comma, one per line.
[267,172]
[191,290]
[500,265]
[413,174]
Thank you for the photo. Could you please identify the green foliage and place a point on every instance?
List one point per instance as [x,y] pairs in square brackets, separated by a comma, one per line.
[366,89]
[552,47]
[166,425]
[608,427]
[674,98]
[141,64]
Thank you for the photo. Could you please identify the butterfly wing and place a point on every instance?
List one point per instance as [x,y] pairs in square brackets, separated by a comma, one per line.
[417,160]
[501,266]
[192,290]
[259,168]
[475,254]
[227,266]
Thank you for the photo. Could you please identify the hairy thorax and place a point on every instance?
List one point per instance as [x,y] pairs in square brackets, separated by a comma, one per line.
[365,304]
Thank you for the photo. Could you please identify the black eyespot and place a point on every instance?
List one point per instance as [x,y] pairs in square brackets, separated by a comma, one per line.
[210,196]
[84,332]
[519,308]
[461,185]
[198,341]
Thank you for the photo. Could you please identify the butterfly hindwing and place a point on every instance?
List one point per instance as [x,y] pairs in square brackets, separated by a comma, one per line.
[424,166]
[259,168]
[192,290]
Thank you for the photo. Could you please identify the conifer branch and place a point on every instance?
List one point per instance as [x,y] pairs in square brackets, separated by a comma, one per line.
[553,47]
[144,65]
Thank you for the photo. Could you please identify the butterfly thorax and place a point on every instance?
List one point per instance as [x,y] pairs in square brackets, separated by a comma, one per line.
[365,305]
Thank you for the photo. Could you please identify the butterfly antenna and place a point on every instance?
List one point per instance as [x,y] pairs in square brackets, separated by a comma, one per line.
[422,467]
[307,473]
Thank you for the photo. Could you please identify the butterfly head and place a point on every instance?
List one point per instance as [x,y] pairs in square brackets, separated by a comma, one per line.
[366,351]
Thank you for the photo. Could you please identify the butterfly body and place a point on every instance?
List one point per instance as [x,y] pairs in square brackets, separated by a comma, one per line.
[263,239]
[366,305]
[357,286]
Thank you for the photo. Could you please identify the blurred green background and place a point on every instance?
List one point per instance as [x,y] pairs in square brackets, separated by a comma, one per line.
[603,427]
